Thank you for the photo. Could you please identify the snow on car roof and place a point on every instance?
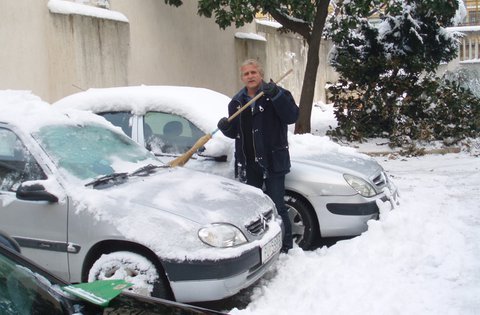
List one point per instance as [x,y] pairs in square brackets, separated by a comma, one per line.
[27,111]
[201,106]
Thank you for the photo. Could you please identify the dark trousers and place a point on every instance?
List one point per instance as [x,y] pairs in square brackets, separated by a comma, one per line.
[275,189]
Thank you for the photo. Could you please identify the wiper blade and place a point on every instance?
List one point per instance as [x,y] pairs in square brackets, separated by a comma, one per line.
[147,169]
[114,177]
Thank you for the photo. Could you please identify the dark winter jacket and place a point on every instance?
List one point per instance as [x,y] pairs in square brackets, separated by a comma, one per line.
[270,118]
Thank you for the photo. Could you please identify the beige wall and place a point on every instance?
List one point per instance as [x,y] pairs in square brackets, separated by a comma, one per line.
[86,52]
[50,54]
[56,54]
[23,55]
[175,46]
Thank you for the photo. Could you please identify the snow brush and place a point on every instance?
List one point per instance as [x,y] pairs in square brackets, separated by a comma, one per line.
[182,159]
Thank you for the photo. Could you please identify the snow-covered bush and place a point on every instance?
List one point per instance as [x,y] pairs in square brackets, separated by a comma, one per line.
[405,110]
[387,85]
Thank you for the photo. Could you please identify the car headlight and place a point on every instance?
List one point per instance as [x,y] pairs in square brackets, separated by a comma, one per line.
[221,235]
[360,185]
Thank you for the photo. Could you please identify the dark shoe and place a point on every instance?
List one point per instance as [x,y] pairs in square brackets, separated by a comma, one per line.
[285,249]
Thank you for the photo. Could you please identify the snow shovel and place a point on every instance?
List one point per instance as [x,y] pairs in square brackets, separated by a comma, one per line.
[182,159]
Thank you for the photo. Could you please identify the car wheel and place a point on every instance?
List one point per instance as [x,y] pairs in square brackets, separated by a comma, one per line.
[133,268]
[304,225]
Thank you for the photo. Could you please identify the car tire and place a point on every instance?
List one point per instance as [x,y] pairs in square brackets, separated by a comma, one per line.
[133,268]
[304,222]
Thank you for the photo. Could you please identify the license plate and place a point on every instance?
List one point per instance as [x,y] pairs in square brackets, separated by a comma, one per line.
[271,248]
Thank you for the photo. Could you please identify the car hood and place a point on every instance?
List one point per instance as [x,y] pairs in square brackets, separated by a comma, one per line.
[197,197]
[200,197]
[165,210]
[355,164]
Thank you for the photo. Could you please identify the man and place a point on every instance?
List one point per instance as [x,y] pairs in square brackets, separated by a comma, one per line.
[260,133]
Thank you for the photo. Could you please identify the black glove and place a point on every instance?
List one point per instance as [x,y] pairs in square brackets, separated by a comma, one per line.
[270,89]
[223,124]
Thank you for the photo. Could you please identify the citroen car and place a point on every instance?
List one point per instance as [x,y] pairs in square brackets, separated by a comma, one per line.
[88,203]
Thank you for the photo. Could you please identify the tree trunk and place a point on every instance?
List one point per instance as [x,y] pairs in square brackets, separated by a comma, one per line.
[308,91]
[310,78]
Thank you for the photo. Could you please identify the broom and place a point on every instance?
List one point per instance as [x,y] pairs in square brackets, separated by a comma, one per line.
[182,159]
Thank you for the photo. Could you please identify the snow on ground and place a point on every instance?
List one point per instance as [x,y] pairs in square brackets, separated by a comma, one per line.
[421,258]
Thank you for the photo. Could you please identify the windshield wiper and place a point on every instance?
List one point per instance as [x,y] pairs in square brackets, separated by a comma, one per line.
[147,169]
[114,177]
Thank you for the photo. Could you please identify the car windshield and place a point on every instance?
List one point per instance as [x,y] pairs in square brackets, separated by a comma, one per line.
[90,151]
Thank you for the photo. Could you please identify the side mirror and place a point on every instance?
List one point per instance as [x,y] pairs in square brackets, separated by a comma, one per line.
[35,192]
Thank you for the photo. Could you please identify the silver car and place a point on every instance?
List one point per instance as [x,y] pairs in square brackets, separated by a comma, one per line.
[330,194]
[86,202]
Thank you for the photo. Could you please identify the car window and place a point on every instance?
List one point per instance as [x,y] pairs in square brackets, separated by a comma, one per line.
[16,162]
[22,293]
[120,119]
[88,151]
[169,133]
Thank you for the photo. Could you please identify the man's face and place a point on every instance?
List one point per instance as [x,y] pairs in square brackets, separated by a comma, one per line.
[251,77]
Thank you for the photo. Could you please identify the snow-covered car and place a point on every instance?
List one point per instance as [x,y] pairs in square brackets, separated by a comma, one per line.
[331,191]
[86,202]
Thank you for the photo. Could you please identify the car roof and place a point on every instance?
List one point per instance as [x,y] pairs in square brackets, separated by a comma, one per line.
[201,106]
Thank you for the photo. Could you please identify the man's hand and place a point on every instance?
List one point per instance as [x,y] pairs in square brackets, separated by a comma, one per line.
[270,89]
[223,124]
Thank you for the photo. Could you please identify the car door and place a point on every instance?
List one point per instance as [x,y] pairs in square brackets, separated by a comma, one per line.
[39,226]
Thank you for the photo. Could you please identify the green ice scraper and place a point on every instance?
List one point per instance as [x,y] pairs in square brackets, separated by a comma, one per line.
[98,292]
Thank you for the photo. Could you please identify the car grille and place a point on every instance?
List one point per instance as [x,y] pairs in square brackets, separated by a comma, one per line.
[260,225]
[380,180]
